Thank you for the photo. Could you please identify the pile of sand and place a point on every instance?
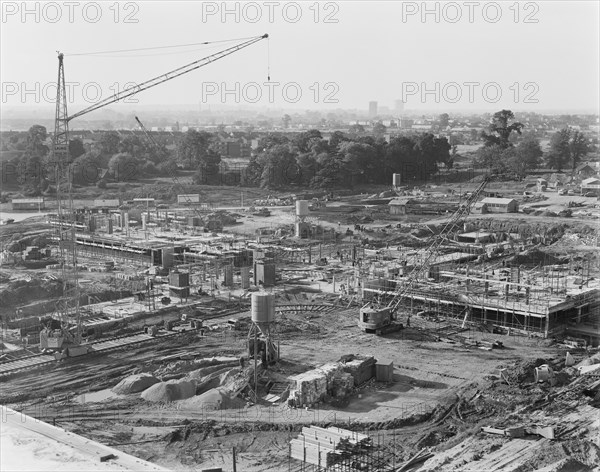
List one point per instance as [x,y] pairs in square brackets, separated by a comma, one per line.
[213,399]
[170,391]
[135,383]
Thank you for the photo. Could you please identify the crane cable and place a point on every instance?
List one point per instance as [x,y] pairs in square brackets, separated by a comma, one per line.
[157,47]
[268,59]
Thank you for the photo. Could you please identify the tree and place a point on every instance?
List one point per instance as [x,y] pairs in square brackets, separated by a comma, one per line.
[271,139]
[379,129]
[567,147]
[76,148]
[31,162]
[491,157]
[578,147]
[527,156]
[356,129]
[193,148]
[279,167]
[336,138]
[358,162]
[208,171]
[124,167]
[109,143]
[500,129]
[327,175]
[304,141]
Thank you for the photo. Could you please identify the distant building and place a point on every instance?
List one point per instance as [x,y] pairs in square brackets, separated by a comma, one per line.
[28,203]
[188,198]
[585,170]
[145,201]
[232,147]
[398,205]
[479,208]
[399,106]
[591,185]
[107,203]
[501,205]
[372,109]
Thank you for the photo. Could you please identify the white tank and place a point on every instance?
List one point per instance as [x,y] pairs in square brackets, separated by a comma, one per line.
[396,180]
[263,308]
[301,207]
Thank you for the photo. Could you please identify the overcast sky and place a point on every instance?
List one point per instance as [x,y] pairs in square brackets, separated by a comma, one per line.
[523,56]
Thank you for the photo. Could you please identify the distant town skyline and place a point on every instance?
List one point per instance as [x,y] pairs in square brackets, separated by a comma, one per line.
[327,57]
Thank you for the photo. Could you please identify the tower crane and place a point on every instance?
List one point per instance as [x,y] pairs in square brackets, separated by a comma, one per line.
[379,319]
[67,307]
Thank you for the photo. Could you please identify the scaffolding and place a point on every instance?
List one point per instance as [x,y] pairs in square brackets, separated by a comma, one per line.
[338,450]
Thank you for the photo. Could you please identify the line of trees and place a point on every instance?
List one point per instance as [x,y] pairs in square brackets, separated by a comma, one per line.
[304,159]
[504,153]
[345,160]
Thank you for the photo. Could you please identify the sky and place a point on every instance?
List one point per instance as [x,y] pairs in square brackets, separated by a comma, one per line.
[443,56]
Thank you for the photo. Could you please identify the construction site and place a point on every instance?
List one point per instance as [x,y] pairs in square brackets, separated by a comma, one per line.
[354,333]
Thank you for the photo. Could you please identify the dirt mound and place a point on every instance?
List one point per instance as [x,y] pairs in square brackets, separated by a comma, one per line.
[135,383]
[169,391]
[215,398]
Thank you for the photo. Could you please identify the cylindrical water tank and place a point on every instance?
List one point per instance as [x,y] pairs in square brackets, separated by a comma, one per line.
[263,308]
[396,180]
[301,207]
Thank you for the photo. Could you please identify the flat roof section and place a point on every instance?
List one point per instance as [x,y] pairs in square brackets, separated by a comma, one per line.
[29,444]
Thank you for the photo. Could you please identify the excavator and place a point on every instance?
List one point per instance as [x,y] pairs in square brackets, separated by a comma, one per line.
[378,318]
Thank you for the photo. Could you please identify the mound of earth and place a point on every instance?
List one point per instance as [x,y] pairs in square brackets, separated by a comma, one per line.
[213,399]
[135,383]
[169,391]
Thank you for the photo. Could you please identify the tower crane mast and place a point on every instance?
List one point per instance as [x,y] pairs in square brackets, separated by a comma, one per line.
[67,306]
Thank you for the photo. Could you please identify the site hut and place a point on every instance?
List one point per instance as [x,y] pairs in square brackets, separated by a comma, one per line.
[501,205]
[398,205]
[585,170]
[28,203]
[107,203]
[188,199]
[479,208]
[591,185]
[147,201]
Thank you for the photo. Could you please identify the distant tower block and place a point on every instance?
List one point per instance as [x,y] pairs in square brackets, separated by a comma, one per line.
[302,227]
[396,181]
[260,336]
